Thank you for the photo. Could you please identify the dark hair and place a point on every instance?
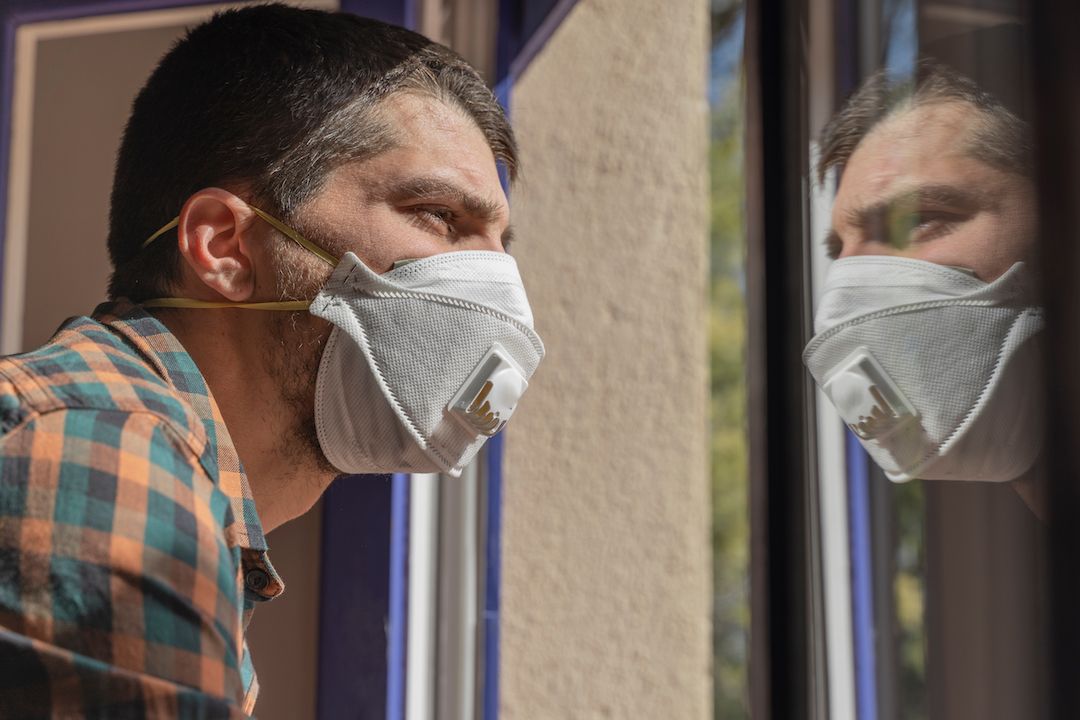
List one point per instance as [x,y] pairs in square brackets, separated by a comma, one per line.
[270,98]
[1002,139]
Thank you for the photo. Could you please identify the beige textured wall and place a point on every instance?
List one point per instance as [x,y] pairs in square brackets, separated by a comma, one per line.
[606,598]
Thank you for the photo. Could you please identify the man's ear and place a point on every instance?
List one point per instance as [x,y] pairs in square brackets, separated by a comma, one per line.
[214,238]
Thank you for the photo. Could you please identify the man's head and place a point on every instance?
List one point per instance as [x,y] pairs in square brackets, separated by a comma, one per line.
[933,169]
[267,102]
[361,136]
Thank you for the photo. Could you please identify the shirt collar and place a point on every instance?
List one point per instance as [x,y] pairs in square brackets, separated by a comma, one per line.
[219,457]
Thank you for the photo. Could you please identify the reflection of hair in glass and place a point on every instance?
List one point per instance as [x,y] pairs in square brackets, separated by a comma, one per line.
[1003,140]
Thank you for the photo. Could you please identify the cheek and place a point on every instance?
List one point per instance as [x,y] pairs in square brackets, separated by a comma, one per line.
[1018,230]
[391,236]
[1005,239]
[374,238]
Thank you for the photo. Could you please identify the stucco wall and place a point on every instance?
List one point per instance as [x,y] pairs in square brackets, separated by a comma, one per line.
[606,598]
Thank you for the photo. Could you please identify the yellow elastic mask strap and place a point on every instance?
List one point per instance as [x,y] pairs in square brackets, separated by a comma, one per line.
[274,222]
[164,229]
[284,305]
[296,237]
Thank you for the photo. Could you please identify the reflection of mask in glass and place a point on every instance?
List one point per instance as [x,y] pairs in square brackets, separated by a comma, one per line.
[936,372]
[424,363]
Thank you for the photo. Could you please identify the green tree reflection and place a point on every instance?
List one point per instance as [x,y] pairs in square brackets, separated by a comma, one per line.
[727,344]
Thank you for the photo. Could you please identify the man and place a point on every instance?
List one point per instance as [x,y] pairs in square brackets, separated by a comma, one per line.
[308,235]
[927,329]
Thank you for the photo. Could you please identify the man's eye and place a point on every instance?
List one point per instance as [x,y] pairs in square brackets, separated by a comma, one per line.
[918,226]
[440,219]
[931,225]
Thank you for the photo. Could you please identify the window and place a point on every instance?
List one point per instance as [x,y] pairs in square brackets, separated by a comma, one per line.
[902,540]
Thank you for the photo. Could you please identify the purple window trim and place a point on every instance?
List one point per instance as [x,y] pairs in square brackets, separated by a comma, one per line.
[364,517]
[397,12]
[862,585]
[539,38]
[397,627]
[493,579]
[490,613]
[517,45]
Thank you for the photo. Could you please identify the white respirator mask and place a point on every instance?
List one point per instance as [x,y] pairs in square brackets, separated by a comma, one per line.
[424,363]
[936,372]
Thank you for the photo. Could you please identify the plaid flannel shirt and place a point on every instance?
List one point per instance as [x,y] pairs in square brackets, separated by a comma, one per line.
[131,555]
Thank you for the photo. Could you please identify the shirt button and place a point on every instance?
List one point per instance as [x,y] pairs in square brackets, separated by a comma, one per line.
[256,579]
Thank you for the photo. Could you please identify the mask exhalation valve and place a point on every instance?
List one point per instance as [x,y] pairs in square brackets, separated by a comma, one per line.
[488,397]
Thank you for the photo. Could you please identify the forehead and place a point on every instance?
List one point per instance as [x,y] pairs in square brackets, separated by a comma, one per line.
[435,139]
[913,146]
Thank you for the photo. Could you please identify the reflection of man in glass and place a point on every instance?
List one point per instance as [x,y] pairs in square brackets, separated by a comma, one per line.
[927,327]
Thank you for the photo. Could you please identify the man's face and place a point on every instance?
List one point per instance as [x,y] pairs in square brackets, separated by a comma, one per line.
[914,189]
[436,191]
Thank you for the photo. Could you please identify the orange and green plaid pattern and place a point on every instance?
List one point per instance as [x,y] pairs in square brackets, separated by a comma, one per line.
[131,555]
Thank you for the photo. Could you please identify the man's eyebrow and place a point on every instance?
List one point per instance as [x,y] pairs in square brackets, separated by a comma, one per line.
[430,188]
[947,195]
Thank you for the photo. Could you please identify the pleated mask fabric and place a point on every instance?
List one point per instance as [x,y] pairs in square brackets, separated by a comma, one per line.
[935,371]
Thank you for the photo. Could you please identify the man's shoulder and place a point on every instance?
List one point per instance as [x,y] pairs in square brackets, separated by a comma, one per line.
[87,365]
[115,556]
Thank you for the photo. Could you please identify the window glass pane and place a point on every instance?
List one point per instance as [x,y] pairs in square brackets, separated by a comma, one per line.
[926,351]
